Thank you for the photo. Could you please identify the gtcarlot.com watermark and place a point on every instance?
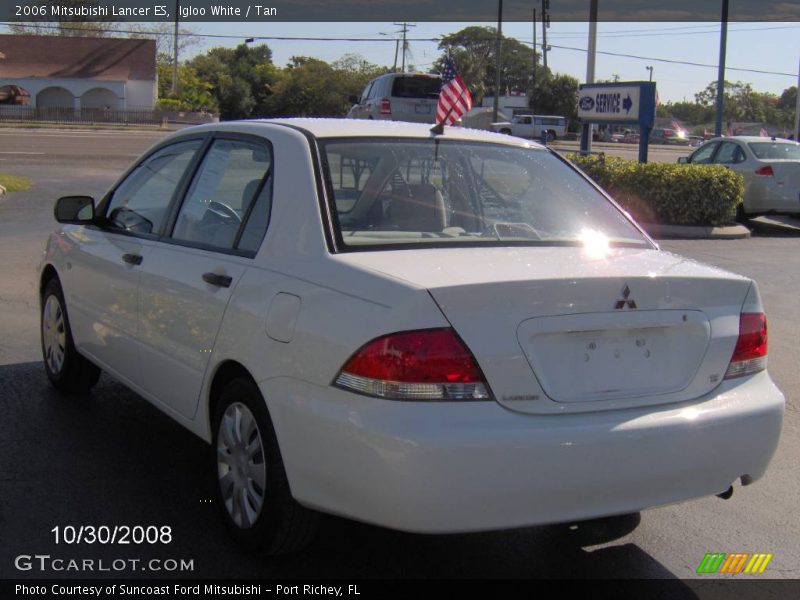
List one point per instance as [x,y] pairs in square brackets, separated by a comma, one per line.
[45,563]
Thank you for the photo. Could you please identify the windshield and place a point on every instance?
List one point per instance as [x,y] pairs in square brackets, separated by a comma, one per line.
[775,150]
[398,192]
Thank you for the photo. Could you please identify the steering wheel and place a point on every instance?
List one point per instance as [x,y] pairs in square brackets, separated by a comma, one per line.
[223,210]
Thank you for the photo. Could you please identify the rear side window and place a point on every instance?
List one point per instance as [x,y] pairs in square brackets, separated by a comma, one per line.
[417,86]
[775,151]
[230,188]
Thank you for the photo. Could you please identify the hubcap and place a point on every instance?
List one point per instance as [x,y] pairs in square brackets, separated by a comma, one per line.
[241,467]
[54,337]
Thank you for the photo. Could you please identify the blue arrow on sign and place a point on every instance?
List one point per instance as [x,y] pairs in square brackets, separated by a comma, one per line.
[627,104]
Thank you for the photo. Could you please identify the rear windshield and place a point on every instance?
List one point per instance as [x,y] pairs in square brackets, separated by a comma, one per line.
[775,150]
[416,86]
[398,192]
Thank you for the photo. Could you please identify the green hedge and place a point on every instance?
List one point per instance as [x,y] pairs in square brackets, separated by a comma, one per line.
[670,194]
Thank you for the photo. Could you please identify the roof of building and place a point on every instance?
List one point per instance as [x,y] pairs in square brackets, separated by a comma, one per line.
[77,57]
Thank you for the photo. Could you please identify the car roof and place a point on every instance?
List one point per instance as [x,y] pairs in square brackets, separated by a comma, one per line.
[751,138]
[341,128]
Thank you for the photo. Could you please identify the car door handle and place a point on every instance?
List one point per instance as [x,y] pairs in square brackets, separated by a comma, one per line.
[217,279]
[132,259]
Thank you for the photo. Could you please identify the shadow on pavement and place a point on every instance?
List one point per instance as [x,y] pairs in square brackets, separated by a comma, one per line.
[109,458]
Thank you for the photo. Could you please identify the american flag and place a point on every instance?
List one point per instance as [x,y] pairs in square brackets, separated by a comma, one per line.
[454,97]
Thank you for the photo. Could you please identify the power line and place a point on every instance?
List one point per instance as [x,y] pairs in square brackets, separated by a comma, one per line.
[228,35]
[674,62]
[389,40]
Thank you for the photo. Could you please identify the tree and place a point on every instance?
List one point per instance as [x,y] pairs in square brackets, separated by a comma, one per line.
[556,94]
[689,112]
[473,51]
[741,101]
[240,79]
[309,87]
[193,93]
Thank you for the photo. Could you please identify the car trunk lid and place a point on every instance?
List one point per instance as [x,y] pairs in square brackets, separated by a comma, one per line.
[556,331]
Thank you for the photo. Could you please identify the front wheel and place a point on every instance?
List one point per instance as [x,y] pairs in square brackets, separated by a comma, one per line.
[257,504]
[67,370]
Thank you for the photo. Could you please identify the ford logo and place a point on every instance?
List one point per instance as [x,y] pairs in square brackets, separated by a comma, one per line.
[586,103]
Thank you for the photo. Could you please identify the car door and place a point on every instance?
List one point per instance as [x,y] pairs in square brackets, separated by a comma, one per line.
[191,273]
[106,264]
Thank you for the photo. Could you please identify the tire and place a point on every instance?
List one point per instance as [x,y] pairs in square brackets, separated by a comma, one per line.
[506,131]
[253,492]
[741,216]
[67,370]
[551,135]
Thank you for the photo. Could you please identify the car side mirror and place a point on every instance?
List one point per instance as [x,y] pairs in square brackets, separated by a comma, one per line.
[78,210]
[683,160]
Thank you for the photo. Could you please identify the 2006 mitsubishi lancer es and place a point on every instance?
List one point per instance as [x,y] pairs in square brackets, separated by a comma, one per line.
[433,332]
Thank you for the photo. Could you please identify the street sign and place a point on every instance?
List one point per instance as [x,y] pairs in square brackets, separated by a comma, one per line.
[601,104]
[630,102]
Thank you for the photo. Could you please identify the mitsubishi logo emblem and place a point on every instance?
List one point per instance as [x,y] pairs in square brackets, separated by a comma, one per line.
[626,299]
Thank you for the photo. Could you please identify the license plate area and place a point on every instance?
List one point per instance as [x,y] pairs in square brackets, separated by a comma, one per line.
[585,358]
[422,109]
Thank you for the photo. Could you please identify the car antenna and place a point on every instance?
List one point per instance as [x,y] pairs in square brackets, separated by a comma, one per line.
[438,129]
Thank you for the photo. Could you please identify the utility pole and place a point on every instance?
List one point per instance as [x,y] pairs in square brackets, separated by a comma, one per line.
[545,26]
[405,27]
[797,108]
[175,50]
[497,47]
[533,76]
[723,41]
[586,130]
[651,72]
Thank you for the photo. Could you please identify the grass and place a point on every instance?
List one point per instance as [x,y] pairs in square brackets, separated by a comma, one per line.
[12,183]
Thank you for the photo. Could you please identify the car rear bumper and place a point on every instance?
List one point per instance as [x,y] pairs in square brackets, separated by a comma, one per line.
[472,466]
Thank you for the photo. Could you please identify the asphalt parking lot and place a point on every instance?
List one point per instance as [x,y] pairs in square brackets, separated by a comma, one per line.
[112,459]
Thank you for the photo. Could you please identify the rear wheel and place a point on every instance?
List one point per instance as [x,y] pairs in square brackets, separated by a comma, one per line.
[505,131]
[254,493]
[67,370]
[551,135]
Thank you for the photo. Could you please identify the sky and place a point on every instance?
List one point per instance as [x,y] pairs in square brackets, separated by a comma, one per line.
[766,46]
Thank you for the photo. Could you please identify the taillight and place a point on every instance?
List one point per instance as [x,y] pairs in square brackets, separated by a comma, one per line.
[765,171]
[386,107]
[750,354]
[429,364]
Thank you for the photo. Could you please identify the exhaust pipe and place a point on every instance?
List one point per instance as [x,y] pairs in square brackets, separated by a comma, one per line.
[726,494]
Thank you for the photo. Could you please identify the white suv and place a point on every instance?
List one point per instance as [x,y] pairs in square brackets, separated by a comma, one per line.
[399,97]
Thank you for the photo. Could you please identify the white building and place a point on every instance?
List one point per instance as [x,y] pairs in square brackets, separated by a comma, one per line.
[510,104]
[79,72]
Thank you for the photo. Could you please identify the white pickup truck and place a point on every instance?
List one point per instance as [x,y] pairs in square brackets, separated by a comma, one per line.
[532,126]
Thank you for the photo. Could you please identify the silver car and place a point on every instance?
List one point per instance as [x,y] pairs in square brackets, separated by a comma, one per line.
[770,167]
[399,97]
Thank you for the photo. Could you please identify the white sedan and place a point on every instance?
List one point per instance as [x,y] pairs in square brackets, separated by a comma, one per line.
[433,333]
[770,168]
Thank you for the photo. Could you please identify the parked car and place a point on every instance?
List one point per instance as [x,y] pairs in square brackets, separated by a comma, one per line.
[533,126]
[399,97]
[432,333]
[669,136]
[770,167]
